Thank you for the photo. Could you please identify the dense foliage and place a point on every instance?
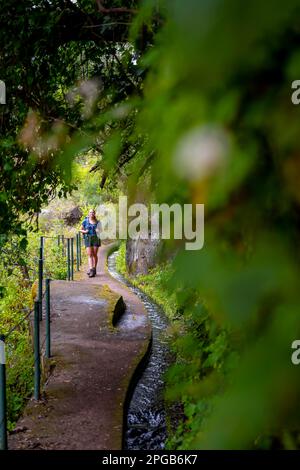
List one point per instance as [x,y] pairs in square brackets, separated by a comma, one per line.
[219,115]
[55,47]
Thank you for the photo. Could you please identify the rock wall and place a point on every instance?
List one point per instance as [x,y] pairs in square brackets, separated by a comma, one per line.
[73,216]
[141,255]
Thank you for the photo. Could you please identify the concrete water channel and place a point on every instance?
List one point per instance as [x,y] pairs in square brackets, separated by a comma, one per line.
[146,416]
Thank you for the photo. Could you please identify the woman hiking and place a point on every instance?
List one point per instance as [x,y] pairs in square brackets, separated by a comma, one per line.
[91,234]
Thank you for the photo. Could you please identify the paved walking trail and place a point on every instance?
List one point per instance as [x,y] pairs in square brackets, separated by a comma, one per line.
[82,405]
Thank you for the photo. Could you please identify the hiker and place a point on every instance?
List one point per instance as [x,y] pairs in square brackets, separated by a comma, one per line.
[91,228]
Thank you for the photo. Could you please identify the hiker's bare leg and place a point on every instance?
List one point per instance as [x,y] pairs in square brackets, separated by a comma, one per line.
[95,254]
[90,254]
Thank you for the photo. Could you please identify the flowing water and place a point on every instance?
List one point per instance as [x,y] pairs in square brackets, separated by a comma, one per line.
[146,419]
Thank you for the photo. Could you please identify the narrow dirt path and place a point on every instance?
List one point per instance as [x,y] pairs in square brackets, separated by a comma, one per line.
[82,405]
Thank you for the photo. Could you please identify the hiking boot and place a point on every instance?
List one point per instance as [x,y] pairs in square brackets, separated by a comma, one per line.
[92,272]
[88,272]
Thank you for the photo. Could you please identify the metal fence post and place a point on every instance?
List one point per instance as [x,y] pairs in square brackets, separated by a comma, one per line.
[79,239]
[41,267]
[58,240]
[37,365]
[48,331]
[72,258]
[68,258]
[3,415]
[63,244]
[77,252]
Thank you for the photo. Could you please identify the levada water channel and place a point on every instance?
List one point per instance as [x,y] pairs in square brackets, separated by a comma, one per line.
[146,418]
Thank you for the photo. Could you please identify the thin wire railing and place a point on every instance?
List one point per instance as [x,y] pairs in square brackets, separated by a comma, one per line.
[43,291]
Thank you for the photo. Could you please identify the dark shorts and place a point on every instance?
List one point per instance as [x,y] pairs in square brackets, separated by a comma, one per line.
[92,240]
